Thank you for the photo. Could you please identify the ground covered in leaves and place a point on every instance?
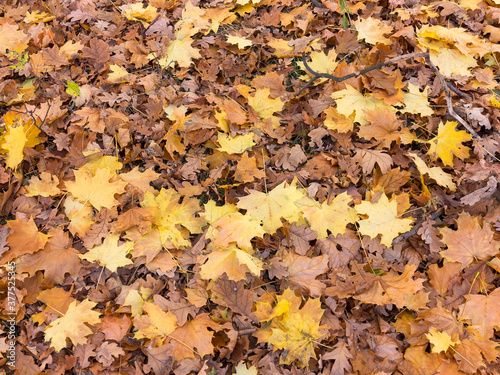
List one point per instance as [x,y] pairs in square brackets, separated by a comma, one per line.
[173,202]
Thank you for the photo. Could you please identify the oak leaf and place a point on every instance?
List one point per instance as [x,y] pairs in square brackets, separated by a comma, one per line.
[383,218]
[72,325]
[392,288]
[469,242]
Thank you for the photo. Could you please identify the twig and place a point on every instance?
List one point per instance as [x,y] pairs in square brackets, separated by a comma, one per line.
[425,55]
[447,94]
[356,74]
[417,226]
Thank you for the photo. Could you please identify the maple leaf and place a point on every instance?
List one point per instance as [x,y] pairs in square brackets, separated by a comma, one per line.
[72,325]
[441,341]
[237,228]
[336,121]
[24,238]
[274,205]
[233,295]
[351,101]
[436,173]
[231,260]
[263,105]
[136,12]
[44,186]
[57,301]
[170,216]
[157,324]
[57,258]
[193,337]
[417,102]
[320,62]
[469,242]
[448,142]
[12,39]
[372,30]
[235,145]
[298,332]
[242,369]
[483,312]
[383,219]
[303,271]
[331,217]
[180,50]
[392,288]
[98,189]
[109,254]
[19,134]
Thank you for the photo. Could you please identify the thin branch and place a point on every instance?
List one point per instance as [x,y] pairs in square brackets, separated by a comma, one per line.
[447,94]
[425,55]
[317,75]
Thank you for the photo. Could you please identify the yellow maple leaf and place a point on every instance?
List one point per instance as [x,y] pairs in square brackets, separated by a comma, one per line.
[19,134]
[296,331]
[157,324]
[99,189]
[351,101]
[79,214]
[436,173]
[109,254]
[236,228]
[448,142]
[441,341]
[382,219]
[416,101]
[320,62]
[43,186]
[263,105]
[451,61]
[14,142]
[117,75]
[180,50]
[235,145]
[372,30]
[333,217]
[242,369]
[242,43]
[171,216]
[37,17]
[72,325]
[272,206]
[136,12]
[230,260]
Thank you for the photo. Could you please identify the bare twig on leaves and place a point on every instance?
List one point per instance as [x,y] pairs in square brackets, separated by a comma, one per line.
[446,86]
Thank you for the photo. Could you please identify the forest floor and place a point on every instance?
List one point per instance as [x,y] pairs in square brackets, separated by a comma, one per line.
[178,196]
